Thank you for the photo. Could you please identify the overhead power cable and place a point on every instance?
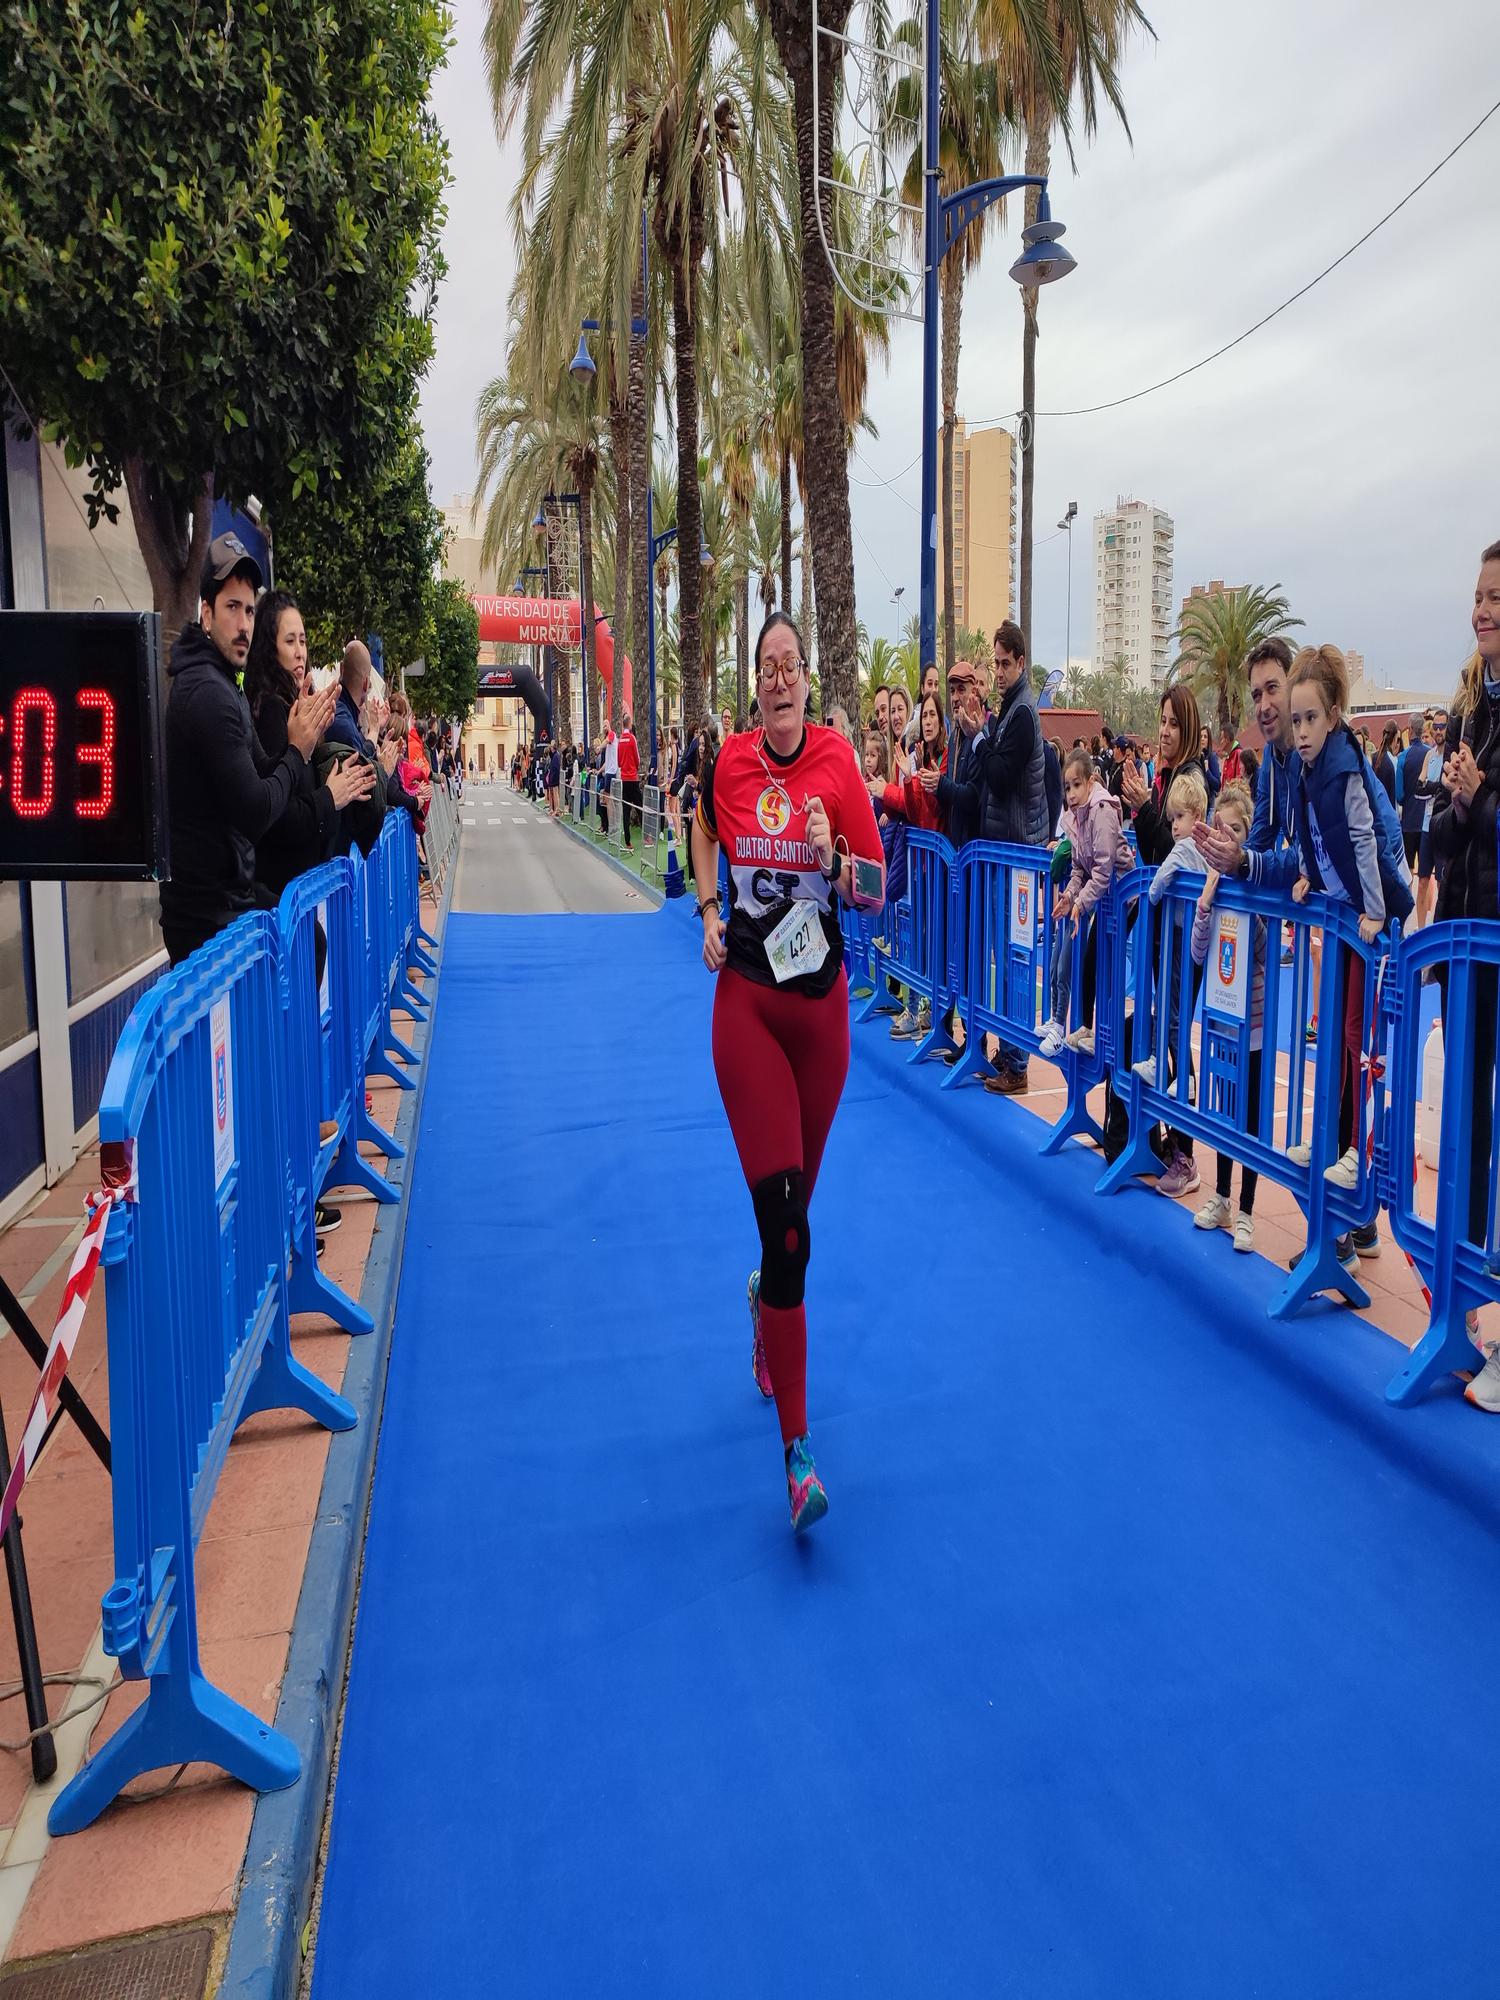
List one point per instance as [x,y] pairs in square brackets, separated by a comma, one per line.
[1094,409]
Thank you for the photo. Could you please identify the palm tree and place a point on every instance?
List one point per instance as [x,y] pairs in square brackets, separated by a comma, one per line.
[1039,76]
[765,541]
[531,446]
[1216,634]
[972,124]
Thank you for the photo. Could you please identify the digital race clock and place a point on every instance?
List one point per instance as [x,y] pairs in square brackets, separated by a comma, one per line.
[81,751]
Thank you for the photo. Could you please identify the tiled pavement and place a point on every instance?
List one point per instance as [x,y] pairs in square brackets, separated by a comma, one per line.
[176,1854]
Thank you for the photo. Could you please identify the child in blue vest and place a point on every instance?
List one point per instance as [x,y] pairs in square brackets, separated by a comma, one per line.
[1349,848]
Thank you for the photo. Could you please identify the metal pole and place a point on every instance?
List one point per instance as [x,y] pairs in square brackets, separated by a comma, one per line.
[647,455]
[650,594]
[1068,651]
[931,258]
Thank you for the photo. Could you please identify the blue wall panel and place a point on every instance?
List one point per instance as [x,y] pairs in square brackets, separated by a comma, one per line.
[20,1121]
[92,1041]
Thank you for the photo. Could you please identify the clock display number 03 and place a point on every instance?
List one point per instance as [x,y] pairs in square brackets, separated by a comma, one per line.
[81,778]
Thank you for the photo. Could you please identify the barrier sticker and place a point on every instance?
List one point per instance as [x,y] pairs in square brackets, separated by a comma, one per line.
[323,983]
[1227,990]
[1022,910]
[222,1081]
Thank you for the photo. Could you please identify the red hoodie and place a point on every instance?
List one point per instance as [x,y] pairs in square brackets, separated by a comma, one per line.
[918,808]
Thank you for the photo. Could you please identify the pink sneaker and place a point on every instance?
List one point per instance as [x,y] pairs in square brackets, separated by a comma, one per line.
[1180,1177]
[805,1491]
[758,1366]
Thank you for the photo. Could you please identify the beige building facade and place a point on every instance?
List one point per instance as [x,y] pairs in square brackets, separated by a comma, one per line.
[984,528]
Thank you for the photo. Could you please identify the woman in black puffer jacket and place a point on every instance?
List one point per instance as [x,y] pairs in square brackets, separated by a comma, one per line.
[1178,735]
[274,675]
[1466,835]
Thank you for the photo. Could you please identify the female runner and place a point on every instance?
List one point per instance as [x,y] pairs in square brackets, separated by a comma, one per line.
[788,803]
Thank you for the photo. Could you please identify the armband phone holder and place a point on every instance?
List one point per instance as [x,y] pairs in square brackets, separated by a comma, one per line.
[868,883]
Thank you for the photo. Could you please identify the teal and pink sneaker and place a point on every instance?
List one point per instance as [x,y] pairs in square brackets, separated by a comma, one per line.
[805,1491]
[758,1366]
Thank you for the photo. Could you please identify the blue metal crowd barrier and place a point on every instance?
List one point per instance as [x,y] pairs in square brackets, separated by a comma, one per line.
[325,1075]
[1004,921]
[923,951]
[1207,1094]
[1458,1260]
[385,941]
[198,1331]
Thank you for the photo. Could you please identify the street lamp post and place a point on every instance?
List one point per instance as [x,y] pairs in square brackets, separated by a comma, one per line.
[1066,524]
[655,543]
[896,596]
[944,219]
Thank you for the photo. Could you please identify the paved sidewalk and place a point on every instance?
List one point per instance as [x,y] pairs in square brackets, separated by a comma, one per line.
[170,1852]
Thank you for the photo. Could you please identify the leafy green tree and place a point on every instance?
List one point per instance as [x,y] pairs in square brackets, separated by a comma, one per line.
[1216,634]
[452,681]
[365,559]
[220,242]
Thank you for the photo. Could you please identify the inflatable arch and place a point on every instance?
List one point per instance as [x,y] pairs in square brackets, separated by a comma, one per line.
[542,621]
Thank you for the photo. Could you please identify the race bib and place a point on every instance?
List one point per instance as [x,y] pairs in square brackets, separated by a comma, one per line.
[798,945]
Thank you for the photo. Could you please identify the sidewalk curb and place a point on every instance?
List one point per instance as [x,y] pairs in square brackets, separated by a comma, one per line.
[264,1959]
[637,882]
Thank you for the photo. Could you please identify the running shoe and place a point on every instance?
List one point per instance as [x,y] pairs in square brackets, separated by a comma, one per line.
[1179,1178]
[758,1366]
[1344,1172]
[1081,1039]
[1244,1231]
[1214,1213]
[1484,1391]
[904,1028]
[805,1492]
[1053,1036]
[326,1217]
[1146,1071]
[1300,1155]
[1367,1239]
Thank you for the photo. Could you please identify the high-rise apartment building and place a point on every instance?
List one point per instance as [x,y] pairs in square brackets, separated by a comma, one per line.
[1133,590]
[984,528]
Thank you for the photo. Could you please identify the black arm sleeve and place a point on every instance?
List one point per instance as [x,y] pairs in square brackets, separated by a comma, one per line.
[252,789]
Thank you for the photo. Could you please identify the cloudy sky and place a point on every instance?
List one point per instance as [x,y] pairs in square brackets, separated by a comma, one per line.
[1348,452]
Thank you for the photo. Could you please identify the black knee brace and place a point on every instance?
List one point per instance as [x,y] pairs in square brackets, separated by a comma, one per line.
[785,1238]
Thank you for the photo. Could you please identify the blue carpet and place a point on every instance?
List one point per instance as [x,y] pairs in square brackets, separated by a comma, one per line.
[1144,1650]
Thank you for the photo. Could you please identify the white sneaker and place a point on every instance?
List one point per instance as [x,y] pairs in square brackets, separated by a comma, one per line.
[1484,1391]
[1300,1155]
[904,1027]
[1244,1232]
[1214,1214]
[1053,1036]
[1344,1172]
[1081,1039]
[1146,1071]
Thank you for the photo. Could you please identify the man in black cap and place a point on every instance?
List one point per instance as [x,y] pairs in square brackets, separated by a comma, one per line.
[223,792]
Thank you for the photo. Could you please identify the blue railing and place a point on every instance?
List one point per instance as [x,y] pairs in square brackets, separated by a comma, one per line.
[976,935]
[237,1087]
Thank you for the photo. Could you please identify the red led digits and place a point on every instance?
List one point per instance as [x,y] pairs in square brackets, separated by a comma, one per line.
[101,754]
[33,701]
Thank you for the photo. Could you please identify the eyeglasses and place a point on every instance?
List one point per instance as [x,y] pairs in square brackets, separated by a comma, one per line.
[784,675]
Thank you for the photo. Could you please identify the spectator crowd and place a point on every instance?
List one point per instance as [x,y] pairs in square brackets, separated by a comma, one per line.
[268,775]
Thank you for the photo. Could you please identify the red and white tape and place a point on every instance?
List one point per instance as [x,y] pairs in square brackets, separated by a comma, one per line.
[75,1301]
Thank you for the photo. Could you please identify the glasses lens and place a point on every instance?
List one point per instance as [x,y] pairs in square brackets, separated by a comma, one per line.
[780,675]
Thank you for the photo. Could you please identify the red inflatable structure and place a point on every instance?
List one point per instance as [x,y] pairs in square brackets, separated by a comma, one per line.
[549,621]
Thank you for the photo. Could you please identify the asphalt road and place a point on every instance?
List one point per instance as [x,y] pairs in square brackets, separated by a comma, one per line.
[512,859]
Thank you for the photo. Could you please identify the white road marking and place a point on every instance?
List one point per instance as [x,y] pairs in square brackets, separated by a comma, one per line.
[518,822]
[471,822]
[494,822]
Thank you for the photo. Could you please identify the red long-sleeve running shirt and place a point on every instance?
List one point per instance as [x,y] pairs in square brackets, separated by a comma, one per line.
[754,804]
